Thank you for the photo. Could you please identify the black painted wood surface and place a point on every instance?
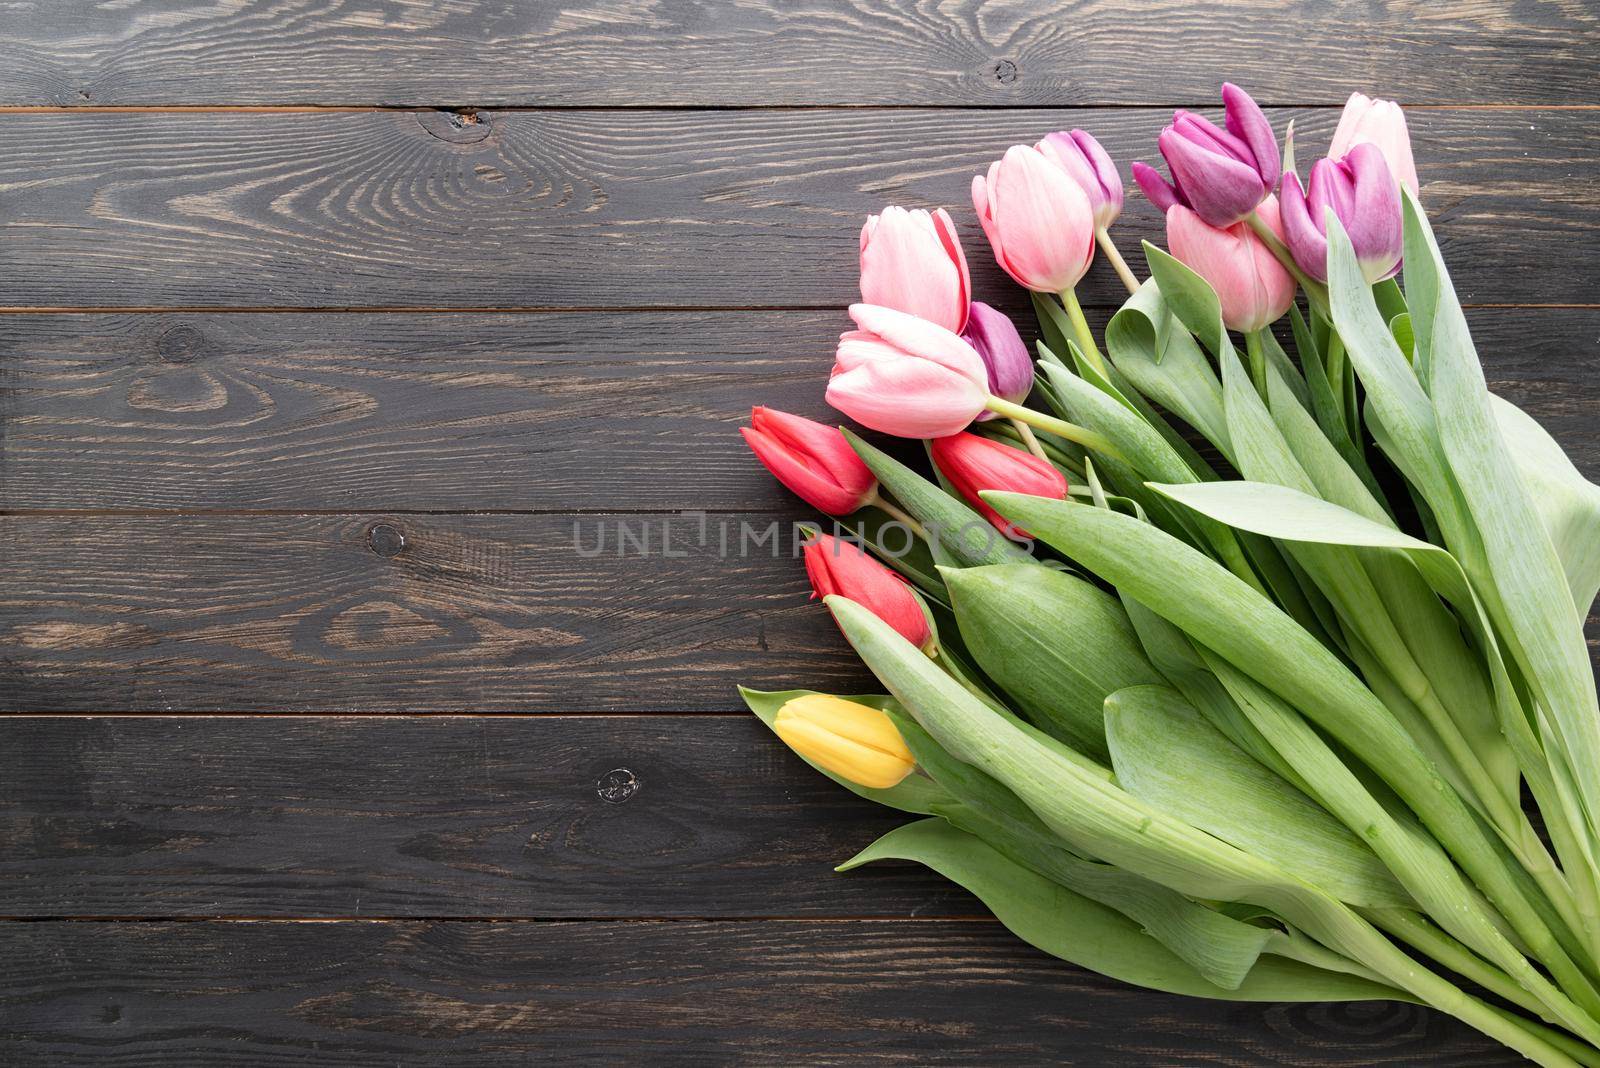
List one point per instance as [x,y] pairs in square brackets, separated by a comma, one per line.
[327,325]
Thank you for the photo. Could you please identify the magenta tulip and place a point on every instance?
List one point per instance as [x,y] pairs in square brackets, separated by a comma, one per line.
[906,376]
[1381,123]
[1038,220]
[1363,196]
[1087,164]
[1252,285]
[1005,355]
[1221,174]
[912,261]
[812,459]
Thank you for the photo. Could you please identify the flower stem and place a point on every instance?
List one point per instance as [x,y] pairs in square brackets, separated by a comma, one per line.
[1089,439]
[1026,433]
[897,514]
[1102,237]
[1258,361]
[1080,327]
[1316,292]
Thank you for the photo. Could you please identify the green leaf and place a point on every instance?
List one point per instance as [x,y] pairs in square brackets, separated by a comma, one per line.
[1521,578]
[961,533]
[914,793]
[1190,297]
[1163,362]
[1164,752]
[1568,504]
[1074,928]
[890,541]
[1056,644]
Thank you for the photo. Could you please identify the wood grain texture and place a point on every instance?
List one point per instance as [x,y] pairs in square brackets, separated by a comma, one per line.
[690,993]
[495,412]
[659,208]
[606,52]
[545,817]
[425,613]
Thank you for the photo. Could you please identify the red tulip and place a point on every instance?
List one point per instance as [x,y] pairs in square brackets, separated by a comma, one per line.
[911,261]
[973,464]
[812,459]
[841,567]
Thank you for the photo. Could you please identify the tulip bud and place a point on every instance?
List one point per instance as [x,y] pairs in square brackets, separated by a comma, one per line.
[912,262]
[1365,198]
[1081,156]
[1381,123]
[1038,220]
[1251,284]
[973,464]
[906,376]
[1004,354]
[812,459]
[856,742]
[1220,174]
[836,566]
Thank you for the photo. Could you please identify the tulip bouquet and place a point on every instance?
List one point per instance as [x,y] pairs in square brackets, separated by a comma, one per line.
[1211,668]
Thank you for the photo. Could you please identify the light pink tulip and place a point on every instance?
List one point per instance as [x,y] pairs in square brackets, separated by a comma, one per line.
[1038,220]
[1382,123]
[912,261]
[906,376]
[1088,164]
[1252,285]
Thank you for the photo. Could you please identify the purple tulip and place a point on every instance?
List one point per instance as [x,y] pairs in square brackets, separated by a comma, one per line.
[1365,198]
[1005,356]
[1220,174]
[1081,156]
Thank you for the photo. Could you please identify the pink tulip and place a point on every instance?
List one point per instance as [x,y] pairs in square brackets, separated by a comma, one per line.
[1381,123]
[912,261]
[1363,196]
[812,459]
[906,376]
[1038,220]
[1087,163]
[835,566]
[973,464]
[1252,285]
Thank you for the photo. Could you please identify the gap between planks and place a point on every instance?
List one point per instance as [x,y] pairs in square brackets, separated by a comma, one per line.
[308,109]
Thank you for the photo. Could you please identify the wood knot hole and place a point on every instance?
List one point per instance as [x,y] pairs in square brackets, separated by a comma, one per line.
[464,127]
[1003,71]
[385,540]
[617,786]
[181,344]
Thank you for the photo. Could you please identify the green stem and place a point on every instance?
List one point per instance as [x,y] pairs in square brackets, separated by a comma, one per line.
[1415,931]
[1026,433]
[1080,327]
[1316,292]
[1258,361]
[1102,237]
[1089,439]
[896,513]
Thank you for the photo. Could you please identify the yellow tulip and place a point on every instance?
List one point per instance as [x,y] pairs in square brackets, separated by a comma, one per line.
[854,741]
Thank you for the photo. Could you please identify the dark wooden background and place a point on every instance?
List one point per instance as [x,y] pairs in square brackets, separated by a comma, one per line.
[327,320]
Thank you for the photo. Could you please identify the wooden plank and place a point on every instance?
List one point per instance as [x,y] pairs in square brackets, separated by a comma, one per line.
[536,817]
[771,52]
[689,993]
[424,613]
[660,208]
[494,412]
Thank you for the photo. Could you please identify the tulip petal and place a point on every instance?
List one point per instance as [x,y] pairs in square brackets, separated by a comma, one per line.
[1246,121]
[1154,187]
[921,339]
[1219,188]
[907,397]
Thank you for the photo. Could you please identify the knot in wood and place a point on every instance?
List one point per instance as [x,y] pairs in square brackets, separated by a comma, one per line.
[457,127]
[617,786]
[1003,71]
[181,344]
[385,540]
